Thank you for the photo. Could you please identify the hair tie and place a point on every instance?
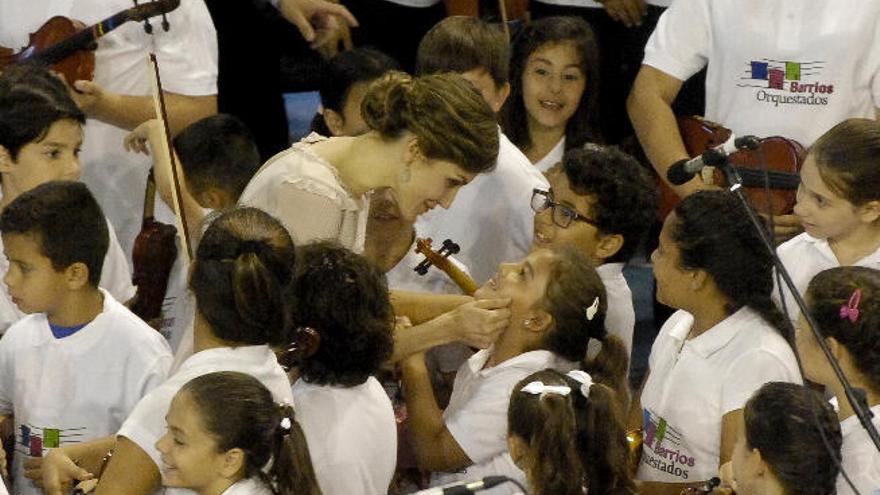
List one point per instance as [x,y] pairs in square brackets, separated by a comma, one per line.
[592,310]
[584,379]
[538,388]
[850,310]
[250,246]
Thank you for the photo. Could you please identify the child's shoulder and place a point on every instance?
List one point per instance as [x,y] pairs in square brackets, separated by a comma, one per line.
[128,327]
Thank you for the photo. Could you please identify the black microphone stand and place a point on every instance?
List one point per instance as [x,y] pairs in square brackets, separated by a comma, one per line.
[856,397]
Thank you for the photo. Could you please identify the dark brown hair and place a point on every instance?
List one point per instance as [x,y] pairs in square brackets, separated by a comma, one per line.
[575,442]
[242,264]
[781,422]
[463,43]
[444,112]
[239,412]
[832,289]
[848,158]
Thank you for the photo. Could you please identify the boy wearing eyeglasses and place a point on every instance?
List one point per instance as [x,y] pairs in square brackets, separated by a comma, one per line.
[602,202]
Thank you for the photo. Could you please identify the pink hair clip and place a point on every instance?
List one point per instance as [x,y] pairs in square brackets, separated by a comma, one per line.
[850,310]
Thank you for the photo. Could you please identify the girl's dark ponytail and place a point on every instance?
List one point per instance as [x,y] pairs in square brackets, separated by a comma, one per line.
[291,471]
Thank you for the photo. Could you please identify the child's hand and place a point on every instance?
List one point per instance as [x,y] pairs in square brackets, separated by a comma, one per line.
[628,12]
[479,323]
[137,140]
[59,473]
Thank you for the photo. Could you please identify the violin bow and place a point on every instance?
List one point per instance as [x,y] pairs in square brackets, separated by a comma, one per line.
[166,149]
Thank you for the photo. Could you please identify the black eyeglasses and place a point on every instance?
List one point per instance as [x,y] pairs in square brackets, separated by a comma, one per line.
[562,215]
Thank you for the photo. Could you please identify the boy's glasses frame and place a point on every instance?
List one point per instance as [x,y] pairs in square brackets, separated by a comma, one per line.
[562,215]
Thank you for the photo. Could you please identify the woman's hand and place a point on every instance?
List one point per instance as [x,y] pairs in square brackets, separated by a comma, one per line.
[59,473]
[479,323]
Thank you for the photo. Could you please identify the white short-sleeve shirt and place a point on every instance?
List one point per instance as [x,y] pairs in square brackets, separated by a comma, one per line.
[146,423]
[804,256]
[791,68]
[289,183]
[477,414]
[693,383]
[352,436]
[552,157]
[248,486]
[491,217]
[860,458]
[77,388]
[620,318]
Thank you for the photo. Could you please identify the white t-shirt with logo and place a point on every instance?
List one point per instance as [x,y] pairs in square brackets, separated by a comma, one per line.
[693,383]
[491,217]
[791,68]
[77,388]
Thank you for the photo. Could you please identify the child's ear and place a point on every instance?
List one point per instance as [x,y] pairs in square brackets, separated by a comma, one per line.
[699,279]
[77,275]
[214,198]
[5,160]
[869,212]
[539,321]
[608,246]
[501,94]
[334,121]
[232,463]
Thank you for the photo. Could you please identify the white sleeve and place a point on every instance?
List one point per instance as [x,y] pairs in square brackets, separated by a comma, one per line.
[680,44]
[7,377]
[749,372]
[187,52]
[480,426]
[115,274]
[874,64]
[146,423]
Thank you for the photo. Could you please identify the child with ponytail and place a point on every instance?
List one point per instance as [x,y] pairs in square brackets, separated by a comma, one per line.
[566,433]
[223,429]
[845,303]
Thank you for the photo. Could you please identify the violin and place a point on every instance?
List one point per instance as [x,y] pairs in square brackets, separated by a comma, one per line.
[440,259]
[784,157]
[69,47]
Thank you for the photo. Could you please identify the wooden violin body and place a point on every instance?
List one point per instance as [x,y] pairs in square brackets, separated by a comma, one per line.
[784,157]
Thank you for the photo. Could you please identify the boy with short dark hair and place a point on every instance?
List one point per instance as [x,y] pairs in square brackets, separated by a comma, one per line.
[74,368]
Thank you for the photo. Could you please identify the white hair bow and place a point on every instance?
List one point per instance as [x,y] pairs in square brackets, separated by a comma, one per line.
[538,388]
[584,379]
[590,312]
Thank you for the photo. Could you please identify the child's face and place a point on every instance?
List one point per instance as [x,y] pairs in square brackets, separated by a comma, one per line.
[524,282]
[429,183]
[582,236]
[822,212]
[54,157]
[33,283]
[553,84]
[672,280]
[745,463]
[190,457]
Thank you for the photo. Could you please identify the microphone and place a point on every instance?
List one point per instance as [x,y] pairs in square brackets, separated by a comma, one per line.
[464,487]
[683,171]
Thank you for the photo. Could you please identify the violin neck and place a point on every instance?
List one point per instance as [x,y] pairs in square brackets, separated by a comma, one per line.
[149,198]
[59,51]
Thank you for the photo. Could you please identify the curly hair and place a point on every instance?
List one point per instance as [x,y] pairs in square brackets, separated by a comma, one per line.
[583,126]
[447,115]
[239,412]
[828,292]
[241,266]
[846,157]
[781,422]
[714,234]
[625,196]
[31,100]
[574,442]
[344,298]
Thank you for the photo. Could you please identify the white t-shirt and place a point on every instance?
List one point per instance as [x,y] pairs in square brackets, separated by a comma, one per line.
[187,56]
[352,436]
[249,486]
[76,388]
[620,318]
[860,458]
[491,217]
[305,193]
[477,414]
[693,383]
[552,157]
[146,424]
[115,277]
[792,68]
[804,256]
[593,4]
